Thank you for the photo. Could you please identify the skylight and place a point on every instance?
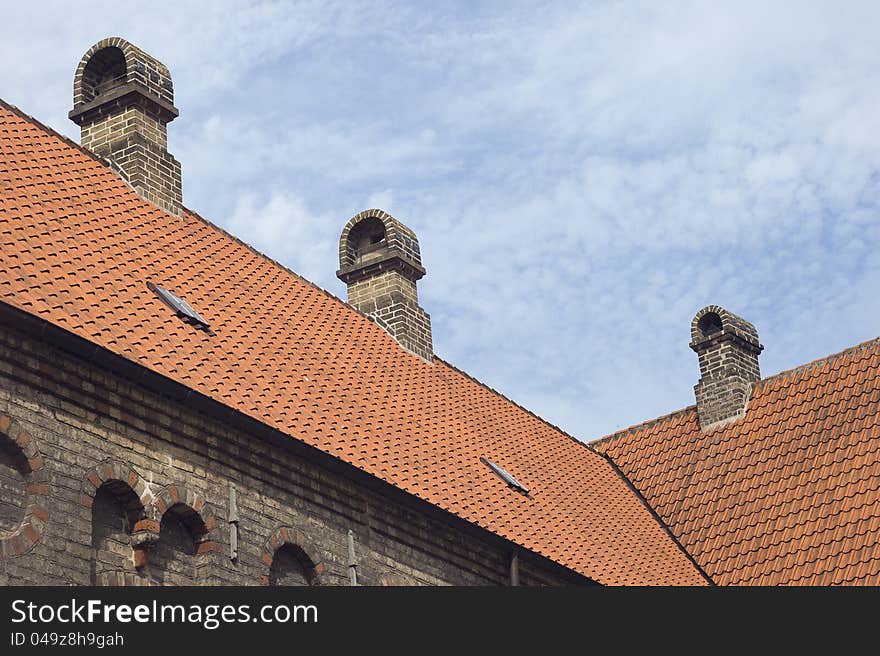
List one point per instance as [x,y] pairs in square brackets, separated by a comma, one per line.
[177,304]
[505,476]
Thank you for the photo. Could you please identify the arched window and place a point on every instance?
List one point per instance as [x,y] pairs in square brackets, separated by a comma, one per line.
[115,495]
[13,486]
[24,492]
[709,324]
[115,510]
[105,70]
[175,558]
[366,238]
[292,559]
[291,566]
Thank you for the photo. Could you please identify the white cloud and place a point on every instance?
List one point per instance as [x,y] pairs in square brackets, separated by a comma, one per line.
[582,179]
[283,228]
[383,200]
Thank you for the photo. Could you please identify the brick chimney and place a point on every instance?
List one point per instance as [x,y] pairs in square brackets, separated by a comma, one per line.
[380,262]
[727,347]
[122,101]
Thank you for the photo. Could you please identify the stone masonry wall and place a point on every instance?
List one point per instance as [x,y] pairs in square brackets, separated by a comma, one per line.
[374,292]
[98,134]
[121,486]
[409,324]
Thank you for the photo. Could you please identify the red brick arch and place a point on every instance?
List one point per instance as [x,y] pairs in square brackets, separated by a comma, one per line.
[36,516]
[195,513]
[285,535]
[120,476]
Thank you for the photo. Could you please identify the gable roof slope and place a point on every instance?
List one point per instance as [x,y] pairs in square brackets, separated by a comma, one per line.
[79,247]
[786,495]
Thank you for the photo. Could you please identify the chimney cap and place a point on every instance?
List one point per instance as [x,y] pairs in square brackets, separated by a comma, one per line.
[114,62]
[713,324]
[373,238]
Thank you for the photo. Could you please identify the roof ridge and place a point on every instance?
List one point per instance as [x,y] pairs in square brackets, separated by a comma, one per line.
[274,262]
[52,131]
[494,391]
[109,165]
[875,341]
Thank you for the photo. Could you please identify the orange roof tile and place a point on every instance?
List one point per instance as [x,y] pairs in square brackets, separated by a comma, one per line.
[78,249]
[788,494]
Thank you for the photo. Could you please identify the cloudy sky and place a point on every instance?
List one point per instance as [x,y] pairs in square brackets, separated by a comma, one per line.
[583,177]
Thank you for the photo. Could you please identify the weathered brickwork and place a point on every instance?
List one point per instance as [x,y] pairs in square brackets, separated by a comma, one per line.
[728,348]
[24,488]
[380,262]
[99,134]
[139,488]
[292,558]
[13,485]
[368,295]
[123,100]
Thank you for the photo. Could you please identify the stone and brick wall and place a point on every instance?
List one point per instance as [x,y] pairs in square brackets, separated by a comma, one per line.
[369,294]
[107,482]
[99,133]
[408,324]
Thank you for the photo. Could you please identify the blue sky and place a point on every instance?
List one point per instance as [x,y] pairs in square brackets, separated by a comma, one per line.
[583,177]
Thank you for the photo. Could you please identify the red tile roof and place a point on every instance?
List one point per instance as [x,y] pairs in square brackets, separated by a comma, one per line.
[78,249]
[788,495]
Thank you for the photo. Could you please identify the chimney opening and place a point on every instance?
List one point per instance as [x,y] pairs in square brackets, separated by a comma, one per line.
[105,70]
[709,324]
[366,237]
